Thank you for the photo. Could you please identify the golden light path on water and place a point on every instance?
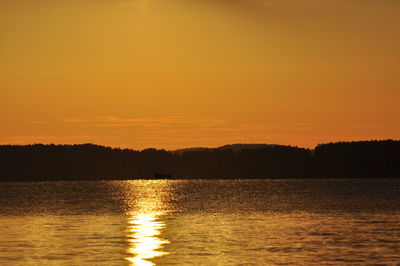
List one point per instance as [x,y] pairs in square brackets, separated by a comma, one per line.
[144,226]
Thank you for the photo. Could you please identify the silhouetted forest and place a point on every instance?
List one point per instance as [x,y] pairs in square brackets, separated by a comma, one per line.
[364,159]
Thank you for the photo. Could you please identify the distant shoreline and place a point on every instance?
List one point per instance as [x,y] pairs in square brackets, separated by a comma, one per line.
[196,179]
[362,159]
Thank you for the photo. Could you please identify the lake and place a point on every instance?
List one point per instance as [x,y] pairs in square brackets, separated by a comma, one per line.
[201,222]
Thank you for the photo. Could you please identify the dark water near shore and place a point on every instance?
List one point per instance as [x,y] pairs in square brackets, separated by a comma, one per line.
[200,222]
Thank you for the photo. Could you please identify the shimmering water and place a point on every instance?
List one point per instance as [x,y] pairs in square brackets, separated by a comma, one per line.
[202,222]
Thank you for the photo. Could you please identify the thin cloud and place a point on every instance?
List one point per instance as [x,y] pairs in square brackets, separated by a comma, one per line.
[169,121]
[29,139]
[38,123]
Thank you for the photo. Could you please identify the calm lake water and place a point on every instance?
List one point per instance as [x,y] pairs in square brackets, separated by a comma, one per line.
[200,222]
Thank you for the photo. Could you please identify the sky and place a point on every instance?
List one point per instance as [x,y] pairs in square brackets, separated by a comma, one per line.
[188,73]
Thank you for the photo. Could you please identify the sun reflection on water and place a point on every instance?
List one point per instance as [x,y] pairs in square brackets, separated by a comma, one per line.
[144,227]
[144,240]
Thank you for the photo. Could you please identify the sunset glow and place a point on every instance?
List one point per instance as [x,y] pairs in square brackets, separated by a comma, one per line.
[175,74]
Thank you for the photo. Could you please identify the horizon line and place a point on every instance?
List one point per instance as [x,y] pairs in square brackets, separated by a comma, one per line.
[197,147]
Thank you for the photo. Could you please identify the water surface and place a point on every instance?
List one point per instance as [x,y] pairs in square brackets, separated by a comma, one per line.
[200,222]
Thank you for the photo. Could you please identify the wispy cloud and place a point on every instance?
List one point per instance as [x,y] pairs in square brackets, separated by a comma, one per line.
[180,125]
[29,139]
[154,122]
[38,123]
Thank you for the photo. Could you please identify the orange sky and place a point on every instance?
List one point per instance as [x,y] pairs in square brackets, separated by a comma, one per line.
[182,73]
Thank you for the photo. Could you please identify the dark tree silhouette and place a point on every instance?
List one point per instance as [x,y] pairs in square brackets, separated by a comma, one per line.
[358,159]
[366,159]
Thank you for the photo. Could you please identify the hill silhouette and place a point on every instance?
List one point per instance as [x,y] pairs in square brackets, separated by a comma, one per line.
[363,159]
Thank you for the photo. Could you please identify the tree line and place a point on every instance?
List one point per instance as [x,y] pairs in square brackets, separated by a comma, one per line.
[362,159]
